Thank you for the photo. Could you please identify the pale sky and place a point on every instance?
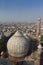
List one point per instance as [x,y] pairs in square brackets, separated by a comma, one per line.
[21,10]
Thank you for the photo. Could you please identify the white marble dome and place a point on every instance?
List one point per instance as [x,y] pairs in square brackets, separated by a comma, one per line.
[39,18]
[18,45]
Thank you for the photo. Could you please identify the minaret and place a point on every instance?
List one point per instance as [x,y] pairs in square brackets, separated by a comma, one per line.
[38,35]
[38,28]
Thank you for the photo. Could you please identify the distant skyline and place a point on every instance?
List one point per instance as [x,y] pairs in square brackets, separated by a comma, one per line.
[21,10]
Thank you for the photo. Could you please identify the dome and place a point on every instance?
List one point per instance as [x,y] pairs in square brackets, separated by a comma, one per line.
[39,18]
[18,45]
[39,46]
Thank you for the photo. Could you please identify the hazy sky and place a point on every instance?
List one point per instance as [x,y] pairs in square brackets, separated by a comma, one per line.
[21,10]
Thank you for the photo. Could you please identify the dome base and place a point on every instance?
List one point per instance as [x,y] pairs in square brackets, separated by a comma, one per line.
[15,59]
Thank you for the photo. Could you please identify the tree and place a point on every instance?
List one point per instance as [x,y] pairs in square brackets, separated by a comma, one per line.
[2,46]
[41,38]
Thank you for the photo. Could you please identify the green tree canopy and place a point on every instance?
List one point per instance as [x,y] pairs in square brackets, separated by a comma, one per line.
[1,45]
[41,38]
